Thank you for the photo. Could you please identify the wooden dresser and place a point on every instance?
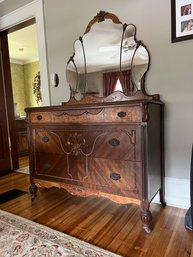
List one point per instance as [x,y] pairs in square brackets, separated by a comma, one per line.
[109,144]
[109,149]
[22,140]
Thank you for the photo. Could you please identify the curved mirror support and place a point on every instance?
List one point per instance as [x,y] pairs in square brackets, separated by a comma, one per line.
[107,55]
[139,66]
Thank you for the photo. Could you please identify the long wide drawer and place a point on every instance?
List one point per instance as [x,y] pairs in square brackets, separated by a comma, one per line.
[110,176]
[107,142]
[107,114]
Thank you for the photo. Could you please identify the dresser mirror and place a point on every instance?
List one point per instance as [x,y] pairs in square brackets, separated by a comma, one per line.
[107,58]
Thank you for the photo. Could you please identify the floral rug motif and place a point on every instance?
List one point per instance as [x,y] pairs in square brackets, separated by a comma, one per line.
[20,237]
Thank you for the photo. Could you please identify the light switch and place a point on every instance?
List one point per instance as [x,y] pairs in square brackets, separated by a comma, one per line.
[54,79]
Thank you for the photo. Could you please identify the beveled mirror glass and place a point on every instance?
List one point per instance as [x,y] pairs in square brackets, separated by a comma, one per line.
[107,58]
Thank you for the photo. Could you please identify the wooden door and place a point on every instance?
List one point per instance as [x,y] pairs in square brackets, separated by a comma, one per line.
[8,140]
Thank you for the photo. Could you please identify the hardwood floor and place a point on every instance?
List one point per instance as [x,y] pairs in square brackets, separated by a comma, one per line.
[23,161]
[101,222]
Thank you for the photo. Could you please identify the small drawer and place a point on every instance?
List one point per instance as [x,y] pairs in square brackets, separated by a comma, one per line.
[40,117]
[123,114]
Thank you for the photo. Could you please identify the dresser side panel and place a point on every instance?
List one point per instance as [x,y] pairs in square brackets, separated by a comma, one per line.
[154,149]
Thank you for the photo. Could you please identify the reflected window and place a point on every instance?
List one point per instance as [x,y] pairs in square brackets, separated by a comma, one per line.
[117,81]
[118,86]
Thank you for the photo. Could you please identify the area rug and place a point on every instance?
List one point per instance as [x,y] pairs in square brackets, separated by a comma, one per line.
[20,237]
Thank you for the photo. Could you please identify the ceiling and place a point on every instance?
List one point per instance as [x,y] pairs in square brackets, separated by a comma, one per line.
[23,45]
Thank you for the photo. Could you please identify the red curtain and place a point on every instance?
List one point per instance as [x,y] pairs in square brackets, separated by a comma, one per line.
[127,85]
[110,80]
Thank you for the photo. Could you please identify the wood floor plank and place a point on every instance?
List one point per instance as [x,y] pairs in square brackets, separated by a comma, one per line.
[101,222]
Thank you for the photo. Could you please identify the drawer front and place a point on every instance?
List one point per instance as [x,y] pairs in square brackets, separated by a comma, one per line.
[20,125]
[104,158]
[107,142]
[110,114]
[115,177]
[22,141]
[110,176]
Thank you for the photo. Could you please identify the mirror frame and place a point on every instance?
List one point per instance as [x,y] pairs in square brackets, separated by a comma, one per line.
[116,95]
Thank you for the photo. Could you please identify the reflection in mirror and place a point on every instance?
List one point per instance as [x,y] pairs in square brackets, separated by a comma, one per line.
[139,65]
[102,58]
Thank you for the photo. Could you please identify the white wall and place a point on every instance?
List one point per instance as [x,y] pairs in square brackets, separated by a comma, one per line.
[8,6]
[25,10]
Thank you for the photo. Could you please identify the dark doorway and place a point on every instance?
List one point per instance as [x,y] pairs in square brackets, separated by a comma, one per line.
[9,140]
[8,153]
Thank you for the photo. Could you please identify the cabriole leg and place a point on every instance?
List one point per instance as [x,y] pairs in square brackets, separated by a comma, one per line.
[146,218]
[33,190]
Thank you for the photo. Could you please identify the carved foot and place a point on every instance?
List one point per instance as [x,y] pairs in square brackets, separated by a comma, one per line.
[33,190]
[146,219]
[147,229]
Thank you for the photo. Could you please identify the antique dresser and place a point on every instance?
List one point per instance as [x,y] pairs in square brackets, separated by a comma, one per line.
[22,140]
[102,142]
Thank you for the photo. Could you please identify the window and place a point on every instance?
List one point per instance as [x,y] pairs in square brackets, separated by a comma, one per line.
[118,86]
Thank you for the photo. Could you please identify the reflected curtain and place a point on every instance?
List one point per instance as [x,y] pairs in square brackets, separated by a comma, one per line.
[110,80]
[127,85]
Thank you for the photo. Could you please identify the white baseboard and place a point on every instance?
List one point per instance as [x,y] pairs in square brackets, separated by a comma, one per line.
[177,192]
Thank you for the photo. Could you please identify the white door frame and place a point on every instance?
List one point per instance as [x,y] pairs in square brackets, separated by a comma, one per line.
[24,13]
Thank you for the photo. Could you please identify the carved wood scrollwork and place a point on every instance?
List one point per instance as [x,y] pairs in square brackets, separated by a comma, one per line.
[132,136]
[101,16]
[76,141]
[78,112]
[145,115]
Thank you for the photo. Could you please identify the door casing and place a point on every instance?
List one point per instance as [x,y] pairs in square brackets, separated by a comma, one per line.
[9,150]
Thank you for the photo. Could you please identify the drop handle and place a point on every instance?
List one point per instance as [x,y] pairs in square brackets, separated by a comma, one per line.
[46,166]
[39,117]
[121,114]
[115,176]
[114,142]
[45,139]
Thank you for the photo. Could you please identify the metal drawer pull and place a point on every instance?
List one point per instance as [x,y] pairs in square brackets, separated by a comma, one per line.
[46,166]
[39,117]
[115,176]
[45,139]
[114,142]
[121,114]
